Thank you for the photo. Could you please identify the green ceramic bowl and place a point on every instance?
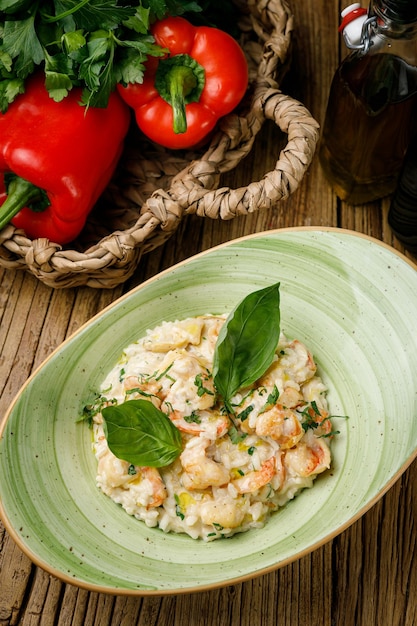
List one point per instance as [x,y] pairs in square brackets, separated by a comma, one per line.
[350,298]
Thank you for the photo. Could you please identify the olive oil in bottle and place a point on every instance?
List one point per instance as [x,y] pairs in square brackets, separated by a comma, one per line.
[372,109]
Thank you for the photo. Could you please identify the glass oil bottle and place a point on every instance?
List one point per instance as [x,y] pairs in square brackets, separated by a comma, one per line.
[372,108]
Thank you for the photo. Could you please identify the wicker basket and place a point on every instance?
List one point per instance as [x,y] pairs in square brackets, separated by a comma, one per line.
[154,187]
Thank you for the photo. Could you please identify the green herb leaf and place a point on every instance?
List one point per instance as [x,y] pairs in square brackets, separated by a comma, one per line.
[193,418]
[58,85]
[92,44]
[247,342]
[271,400]
[21,42]
[12,6]
[9,89]
[243,415]
[73,41]
[157,7]
[181,7]
[97,69]
[57,76]
[92,14]
[129,66]
[140,22]
[5,64]
[91,409]
[141,434]
[236,435]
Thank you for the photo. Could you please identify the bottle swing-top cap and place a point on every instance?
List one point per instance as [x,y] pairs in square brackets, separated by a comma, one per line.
[353,19]
[357,28]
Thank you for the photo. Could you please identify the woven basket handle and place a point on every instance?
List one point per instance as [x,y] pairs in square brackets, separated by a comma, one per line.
[193,189]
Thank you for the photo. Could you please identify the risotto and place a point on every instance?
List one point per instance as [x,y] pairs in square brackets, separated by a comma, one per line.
[232,471]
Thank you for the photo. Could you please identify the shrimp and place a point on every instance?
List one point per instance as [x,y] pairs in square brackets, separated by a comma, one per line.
[213,326]
[280,424]
[317,419]
[148,390]
[213,424]
[295,363]
[308,458]
[291,398]
[299,360]
[158,490]
[197,392]
[280,473]
[114,471]
[201,472]
[168,336]
[222,512]
[252,481]
[325,425]
[188,382]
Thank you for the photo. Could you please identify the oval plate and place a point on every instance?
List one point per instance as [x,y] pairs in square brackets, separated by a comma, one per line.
[352,300]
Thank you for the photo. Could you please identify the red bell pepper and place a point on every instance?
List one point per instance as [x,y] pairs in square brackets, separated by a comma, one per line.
[204,77]
[56,158]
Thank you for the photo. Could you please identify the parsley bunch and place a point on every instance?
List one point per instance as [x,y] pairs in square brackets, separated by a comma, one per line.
[92,44]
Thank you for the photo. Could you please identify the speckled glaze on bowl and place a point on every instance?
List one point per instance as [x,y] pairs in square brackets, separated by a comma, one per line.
[353,301]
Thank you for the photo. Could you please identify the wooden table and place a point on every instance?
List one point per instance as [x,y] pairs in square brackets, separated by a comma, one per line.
[367,575]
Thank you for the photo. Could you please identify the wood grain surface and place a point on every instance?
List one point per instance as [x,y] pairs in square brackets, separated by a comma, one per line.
[364,577]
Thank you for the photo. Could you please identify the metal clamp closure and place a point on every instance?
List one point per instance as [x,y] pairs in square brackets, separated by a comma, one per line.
[366,36]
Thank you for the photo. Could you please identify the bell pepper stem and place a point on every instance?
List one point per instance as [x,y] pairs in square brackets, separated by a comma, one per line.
[20,193]
[181,81]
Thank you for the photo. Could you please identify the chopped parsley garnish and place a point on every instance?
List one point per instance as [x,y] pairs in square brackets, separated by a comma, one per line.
[271,400]
[193,418]
[89,411]
[243,415]
[199,383]
[236,436]
[140,392]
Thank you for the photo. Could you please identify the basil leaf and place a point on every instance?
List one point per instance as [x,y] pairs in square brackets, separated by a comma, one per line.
[247,342]
[141,434]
